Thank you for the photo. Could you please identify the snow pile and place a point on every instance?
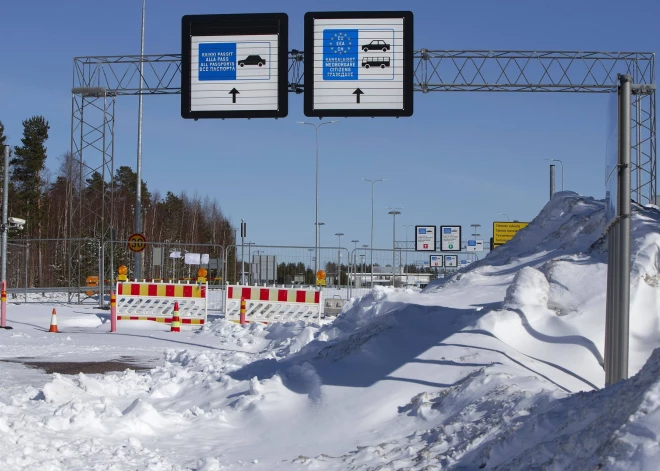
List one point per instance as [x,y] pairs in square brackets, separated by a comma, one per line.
[529,288]
[498,367]
[551,278]
[610,428]
[495,421]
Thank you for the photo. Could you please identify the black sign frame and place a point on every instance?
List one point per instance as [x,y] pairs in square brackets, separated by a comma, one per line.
[236,24]
[408,64]
[453,257]
[460,239]
[435,238]
[442,261]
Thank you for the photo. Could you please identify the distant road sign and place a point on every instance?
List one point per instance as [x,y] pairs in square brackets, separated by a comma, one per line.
[436,260]
[137,243]
[425,238]
[359,63]
[235,66]
[450,238]
[475,245]
[451,261]
[504,231]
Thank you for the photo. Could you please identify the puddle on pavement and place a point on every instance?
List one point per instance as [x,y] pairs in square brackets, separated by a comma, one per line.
[86,367]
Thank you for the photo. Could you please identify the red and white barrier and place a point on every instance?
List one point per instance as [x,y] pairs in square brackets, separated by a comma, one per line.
[273,304]
[142,301]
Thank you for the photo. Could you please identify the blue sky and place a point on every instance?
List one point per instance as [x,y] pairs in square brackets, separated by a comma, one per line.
[463,158]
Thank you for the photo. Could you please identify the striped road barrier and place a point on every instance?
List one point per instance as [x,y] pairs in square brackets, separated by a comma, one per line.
[149,301]
[267,305]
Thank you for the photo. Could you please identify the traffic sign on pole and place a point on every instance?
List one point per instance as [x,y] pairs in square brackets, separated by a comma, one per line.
[137,243]
[451,261]
[450,238]
[505,231]
[359,63]
[425,238]
[234,66]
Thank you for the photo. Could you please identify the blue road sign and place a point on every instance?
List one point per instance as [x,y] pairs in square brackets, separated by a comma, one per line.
[422,230]
[446,230]
[472,243]
[340,54]
[217,61]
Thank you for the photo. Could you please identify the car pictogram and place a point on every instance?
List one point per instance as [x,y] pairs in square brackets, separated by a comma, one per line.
[252,60]
[376,45]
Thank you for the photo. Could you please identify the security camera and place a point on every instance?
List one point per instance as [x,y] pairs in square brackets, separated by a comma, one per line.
[17,221]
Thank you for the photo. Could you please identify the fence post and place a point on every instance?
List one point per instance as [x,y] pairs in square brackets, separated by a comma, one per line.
[101,254]
[113,311]
[242,314]
[3,307]
[27,265]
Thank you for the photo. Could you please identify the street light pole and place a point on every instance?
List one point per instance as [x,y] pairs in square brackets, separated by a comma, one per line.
[242,253]
[373,182]
[318,245]
[507,216]
[316,221]
[354,261]
[138,190]
[339,234]
[407,226]
[394,212]
[562,171]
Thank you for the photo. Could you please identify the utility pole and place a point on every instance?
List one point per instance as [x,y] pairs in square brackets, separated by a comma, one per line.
[243,235]
[617,310]
[552,181]
[394,212]
[354,259]
[317,236]
[138,190]
[372,225]
[339,234]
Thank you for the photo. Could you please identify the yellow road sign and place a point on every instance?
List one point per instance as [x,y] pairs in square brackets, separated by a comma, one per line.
[137,243]
[504,231]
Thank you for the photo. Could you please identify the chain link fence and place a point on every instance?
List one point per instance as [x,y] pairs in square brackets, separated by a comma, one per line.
[398,268]
[289,266]
[67,265]
[56,269]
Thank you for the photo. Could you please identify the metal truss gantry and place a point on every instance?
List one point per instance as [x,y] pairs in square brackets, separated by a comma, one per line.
[434,71]
[89,167]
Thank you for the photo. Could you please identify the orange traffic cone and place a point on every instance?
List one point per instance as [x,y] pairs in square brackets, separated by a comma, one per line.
[176,321]
[53,322]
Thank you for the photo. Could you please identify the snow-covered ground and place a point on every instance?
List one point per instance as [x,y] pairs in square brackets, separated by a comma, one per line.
[497,367]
